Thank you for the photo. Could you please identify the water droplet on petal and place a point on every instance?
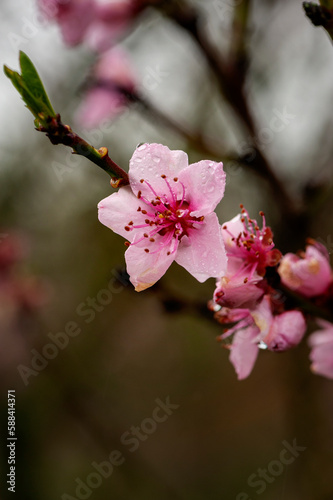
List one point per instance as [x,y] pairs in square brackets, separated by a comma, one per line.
[142,147]
[156,159]
[262,345]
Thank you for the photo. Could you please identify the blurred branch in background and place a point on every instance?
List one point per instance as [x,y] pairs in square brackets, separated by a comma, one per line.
[321,15]
[231,77]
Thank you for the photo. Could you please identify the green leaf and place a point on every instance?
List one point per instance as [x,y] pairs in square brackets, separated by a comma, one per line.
[33,81]
[31,89]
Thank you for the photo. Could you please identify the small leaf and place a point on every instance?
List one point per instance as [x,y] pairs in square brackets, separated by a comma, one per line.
[33,81]
[32,91]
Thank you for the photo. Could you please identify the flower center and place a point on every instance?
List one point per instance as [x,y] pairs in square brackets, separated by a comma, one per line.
[254,245]
[167,216]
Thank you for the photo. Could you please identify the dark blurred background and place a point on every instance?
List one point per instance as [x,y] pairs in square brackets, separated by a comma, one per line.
[133,348]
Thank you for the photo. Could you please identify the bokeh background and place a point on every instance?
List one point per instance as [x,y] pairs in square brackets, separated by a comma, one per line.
[158,343]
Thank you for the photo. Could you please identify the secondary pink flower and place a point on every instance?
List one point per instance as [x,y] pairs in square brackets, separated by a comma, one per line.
[113,77]
[167,214]
[97,23]
[286,332]
[250,250]
[73,16]
[236,290]
[112,20]
[321,343]
[244,348]
[308,274]
[260,328]
[253,246]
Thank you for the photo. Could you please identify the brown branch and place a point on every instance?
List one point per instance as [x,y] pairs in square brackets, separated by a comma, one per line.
[58,133]
[231,77]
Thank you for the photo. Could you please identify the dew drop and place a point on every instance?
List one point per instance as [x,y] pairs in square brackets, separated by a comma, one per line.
[141,147]
[156,159]
[262,345]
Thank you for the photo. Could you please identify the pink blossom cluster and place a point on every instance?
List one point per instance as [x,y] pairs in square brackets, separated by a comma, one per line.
[167,214]
[309,274]
[254,313]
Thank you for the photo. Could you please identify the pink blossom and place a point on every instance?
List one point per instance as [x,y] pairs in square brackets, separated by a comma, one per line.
[167,214]
[113,76]
[250,250]
[236,290]
[112,20]
[286,332]
[244,348]
[97,23]
[260,328]
[308,274]
[73,16]
[321,343]
[244,240]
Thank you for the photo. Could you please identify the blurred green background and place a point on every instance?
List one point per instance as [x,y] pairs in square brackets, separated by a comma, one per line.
[140,347]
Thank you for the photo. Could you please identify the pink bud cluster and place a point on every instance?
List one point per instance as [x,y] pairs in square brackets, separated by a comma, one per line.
[309,274]
[255,315]
[167,214]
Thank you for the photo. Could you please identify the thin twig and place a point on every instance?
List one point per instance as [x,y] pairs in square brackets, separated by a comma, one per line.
[58,133]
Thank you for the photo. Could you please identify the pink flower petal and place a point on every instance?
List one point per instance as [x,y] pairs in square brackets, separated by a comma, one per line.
[204,255]
[101,34]
[321,343]
[150,162]
[310,275]
[99,104]
[146,268]
[237,293]
[98,24]
[115,66]
[320,338]
[74,18]
[118,209]
[244,351]
[287,331]
[263,316]
[232,229]
[205,183]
